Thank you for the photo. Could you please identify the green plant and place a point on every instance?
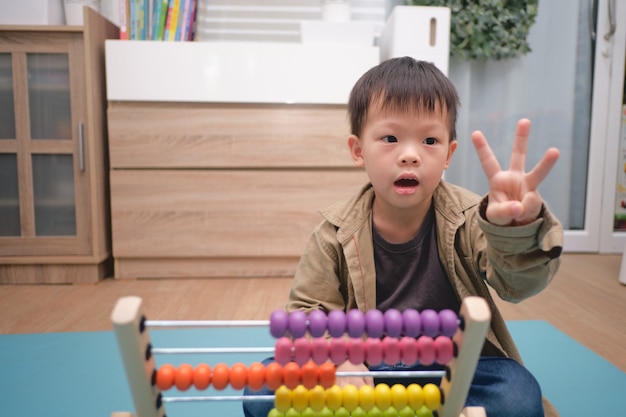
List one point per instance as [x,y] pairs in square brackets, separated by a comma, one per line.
[488,28]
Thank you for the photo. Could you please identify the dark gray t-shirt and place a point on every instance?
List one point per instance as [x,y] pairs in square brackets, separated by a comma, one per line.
[410,274]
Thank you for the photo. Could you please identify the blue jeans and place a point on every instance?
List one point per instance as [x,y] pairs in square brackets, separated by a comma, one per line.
[501,385]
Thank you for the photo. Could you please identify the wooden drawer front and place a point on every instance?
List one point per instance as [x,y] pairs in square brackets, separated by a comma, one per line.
[144,135]
[195,213]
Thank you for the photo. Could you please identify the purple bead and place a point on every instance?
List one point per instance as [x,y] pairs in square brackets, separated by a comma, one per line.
[430,322]
[374,323]
[279,320]
[355,321]
[393,322]
[448,322]
[317,323]
[412,322]
[297,323]
[336,323]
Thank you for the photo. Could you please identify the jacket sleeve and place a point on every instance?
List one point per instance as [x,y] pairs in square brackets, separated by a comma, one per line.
[317,284]
[520,261]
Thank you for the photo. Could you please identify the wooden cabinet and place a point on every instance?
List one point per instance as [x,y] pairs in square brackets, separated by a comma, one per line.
[209,189]
[54,209]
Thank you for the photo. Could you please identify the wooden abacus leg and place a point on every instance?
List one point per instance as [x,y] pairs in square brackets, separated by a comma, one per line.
[134,345]
[476,317]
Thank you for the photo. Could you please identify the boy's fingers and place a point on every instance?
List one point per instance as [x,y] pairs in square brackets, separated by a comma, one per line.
[487,159]
[542,169]
[520,146]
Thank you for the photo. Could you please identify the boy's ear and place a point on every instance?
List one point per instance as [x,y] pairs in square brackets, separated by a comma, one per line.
[354,143]
[451,148]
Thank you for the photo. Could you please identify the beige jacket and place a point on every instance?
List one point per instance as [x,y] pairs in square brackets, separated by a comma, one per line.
[337,271]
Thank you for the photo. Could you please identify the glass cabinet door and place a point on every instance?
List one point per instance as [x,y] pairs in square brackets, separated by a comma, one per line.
[50,116]
[9,197]
[43,179]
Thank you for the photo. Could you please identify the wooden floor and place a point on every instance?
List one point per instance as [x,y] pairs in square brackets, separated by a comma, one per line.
[585,301]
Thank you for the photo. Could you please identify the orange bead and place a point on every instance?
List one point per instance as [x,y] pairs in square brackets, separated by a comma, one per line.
[202,376]
[274,375]
[291,375]
[309,374]
[165,377]
[256,376]
[184,377]
[221,376]
[327,374]
[238,376]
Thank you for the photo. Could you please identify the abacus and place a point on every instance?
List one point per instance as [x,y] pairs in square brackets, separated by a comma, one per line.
[308,347]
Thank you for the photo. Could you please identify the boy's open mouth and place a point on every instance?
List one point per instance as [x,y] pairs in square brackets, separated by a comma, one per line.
[406,182]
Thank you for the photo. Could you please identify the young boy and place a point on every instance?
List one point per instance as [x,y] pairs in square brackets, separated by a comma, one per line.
[408,239]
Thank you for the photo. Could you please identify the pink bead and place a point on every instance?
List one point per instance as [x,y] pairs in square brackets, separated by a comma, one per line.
[391,350]
[445,349]
[426,350]
[408,348]
[373,351]
[319,350]
[283,350]
[375,323]
[338,351]
[301,351]
[356,351]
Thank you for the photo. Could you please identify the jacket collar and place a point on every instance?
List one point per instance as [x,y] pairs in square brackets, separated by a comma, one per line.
[350,215]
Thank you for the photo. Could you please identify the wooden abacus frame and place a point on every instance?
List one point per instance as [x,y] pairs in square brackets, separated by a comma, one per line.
[136,350]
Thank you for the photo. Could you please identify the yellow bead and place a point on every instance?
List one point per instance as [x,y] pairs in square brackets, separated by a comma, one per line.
[350,397]
[398,396]
[432,396]
[282,400]
[383,396]
[367,398]
[317,398]
[415,396]
[334,397]
[300,398]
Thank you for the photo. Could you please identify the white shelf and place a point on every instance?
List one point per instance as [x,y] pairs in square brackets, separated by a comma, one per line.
[234,72]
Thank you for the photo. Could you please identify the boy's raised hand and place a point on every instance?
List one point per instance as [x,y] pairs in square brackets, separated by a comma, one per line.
[513,196]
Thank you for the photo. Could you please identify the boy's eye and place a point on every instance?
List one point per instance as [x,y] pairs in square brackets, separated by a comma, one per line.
[390,139]
[430,141]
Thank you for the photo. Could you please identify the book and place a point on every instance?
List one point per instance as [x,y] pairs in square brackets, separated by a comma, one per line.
[124,19]
[158,20]
[171,23]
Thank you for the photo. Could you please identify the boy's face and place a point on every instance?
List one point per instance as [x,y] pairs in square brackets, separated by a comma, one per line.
[404,154]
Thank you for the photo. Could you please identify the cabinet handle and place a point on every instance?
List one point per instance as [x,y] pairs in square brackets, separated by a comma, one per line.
[81,147]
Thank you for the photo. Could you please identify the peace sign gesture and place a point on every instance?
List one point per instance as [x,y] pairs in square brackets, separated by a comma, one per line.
[513,196]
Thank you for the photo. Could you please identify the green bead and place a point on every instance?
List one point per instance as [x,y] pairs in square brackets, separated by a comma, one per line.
[358,412]
[325,412]
[342,412]
[424,412]
[275,413]
[406,412]
[308,413]
[390,412]
[375,412]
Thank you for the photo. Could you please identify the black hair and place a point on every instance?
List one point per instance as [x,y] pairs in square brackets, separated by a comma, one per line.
[403,84]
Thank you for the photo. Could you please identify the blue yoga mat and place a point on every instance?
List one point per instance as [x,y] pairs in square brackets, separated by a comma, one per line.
[81,374]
